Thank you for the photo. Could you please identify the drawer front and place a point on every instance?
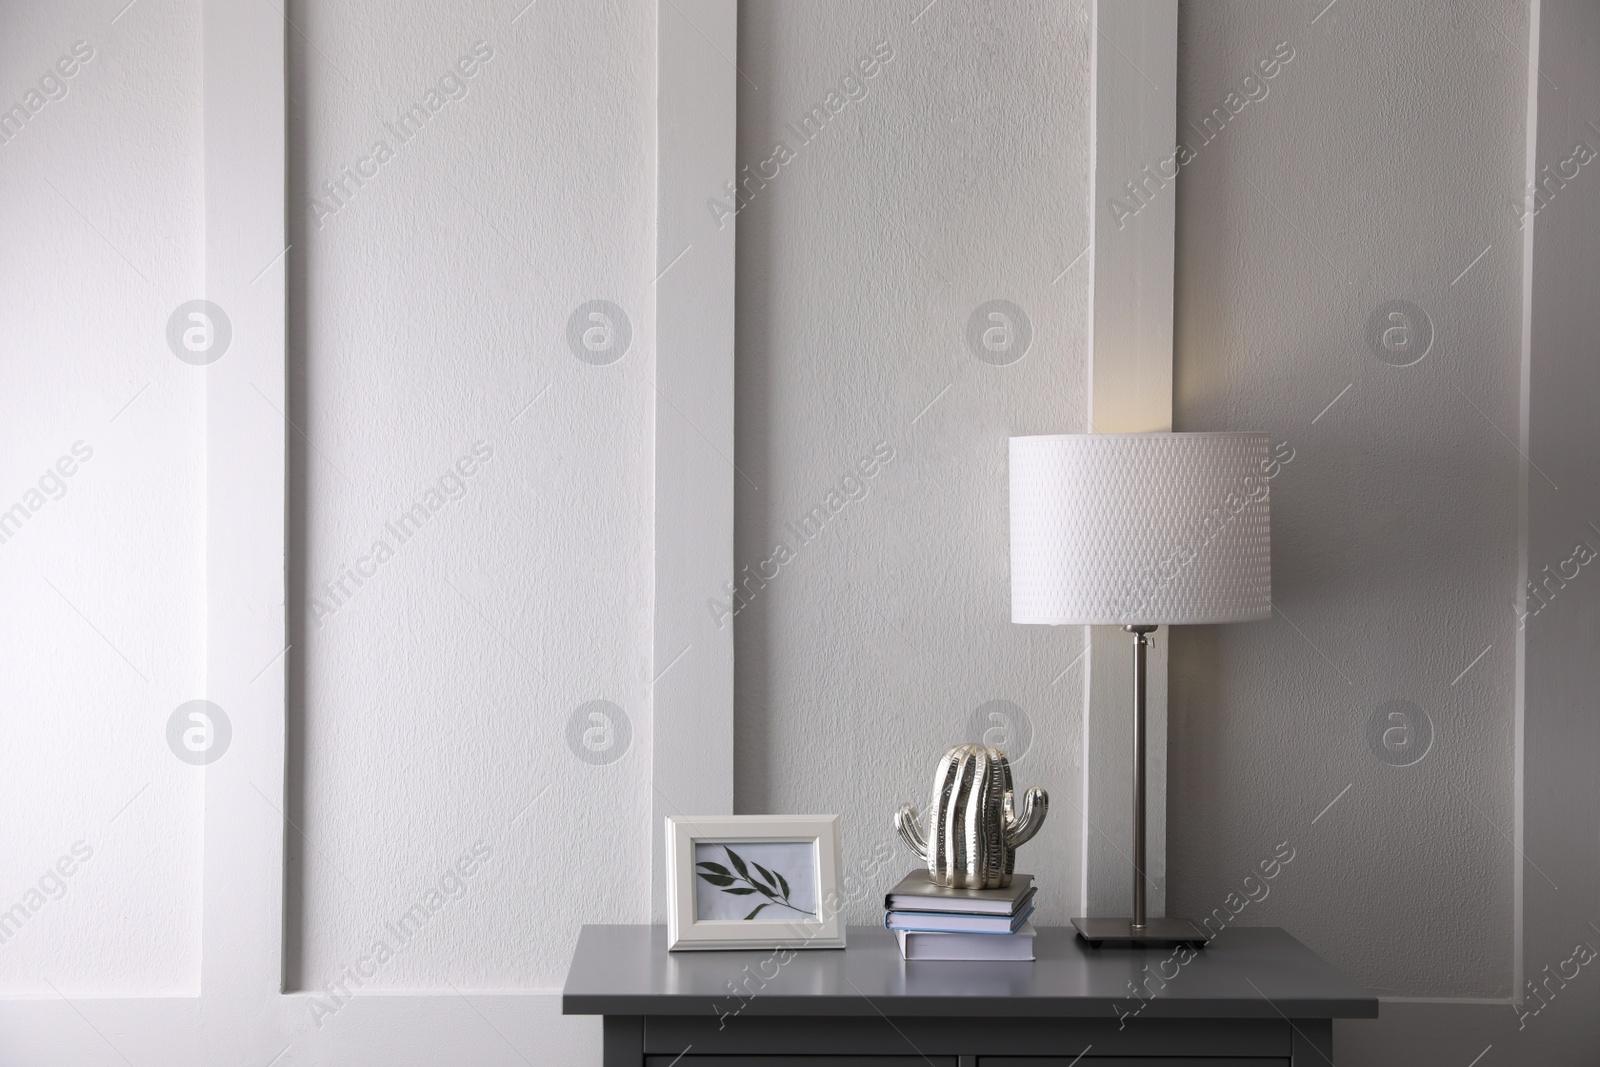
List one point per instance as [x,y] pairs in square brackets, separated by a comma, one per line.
[691,1060]
[799,1061]
[1020,1041]
[1132,1061]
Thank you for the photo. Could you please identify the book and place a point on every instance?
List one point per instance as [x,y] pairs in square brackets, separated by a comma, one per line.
[918,945]
[916,892]
[950,922]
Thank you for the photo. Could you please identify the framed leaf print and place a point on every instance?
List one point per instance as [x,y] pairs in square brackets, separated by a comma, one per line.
[753,882]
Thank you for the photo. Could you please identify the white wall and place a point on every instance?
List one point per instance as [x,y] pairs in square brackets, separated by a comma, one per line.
[1377,167]
[431,712]
[959,177]
[101,571]
[432,703]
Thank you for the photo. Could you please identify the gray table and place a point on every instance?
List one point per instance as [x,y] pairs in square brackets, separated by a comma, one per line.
[1250,998]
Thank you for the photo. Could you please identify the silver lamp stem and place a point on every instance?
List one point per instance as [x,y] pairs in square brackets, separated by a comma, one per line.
[1140,930]
[1140,644]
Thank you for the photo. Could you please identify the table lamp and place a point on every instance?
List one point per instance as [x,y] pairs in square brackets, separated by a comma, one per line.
[1139,530]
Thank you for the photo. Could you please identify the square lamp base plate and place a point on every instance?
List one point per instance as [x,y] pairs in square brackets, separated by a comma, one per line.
[1118,933]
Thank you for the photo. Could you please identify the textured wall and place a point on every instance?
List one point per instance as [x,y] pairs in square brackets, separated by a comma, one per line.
[1562,739]
[434,688]
[954,175]
[101,438]
[435,698]
[1382,160]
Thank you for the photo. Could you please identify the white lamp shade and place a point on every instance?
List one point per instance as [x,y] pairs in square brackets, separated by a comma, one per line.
[1140,528]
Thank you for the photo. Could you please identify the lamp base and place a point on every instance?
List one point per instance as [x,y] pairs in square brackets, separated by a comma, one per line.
[1119,933]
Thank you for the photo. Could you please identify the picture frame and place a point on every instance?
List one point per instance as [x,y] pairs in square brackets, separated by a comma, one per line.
[754,882]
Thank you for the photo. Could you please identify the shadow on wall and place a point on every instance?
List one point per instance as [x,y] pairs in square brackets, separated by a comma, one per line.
[1310,303]
[754,514]
[298,190]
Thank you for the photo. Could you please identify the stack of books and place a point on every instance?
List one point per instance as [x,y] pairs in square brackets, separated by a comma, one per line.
[934,922]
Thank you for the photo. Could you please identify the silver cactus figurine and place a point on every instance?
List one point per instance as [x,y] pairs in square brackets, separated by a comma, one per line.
[975,831]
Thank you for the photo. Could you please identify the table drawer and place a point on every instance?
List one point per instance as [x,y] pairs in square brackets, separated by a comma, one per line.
[799,1061]
[1132,1061]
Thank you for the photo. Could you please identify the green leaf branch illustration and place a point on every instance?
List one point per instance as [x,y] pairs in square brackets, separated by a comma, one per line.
[770,884]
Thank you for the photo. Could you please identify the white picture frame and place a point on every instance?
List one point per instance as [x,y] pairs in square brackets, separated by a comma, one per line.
[703,882]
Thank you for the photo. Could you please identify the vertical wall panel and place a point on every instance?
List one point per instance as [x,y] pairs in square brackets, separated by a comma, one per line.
[912,291]
[1349,279]
[1130,391]
[102,478]
[692,674]
[471,324]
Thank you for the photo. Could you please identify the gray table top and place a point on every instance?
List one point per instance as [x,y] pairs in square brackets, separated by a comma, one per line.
[1245,972]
